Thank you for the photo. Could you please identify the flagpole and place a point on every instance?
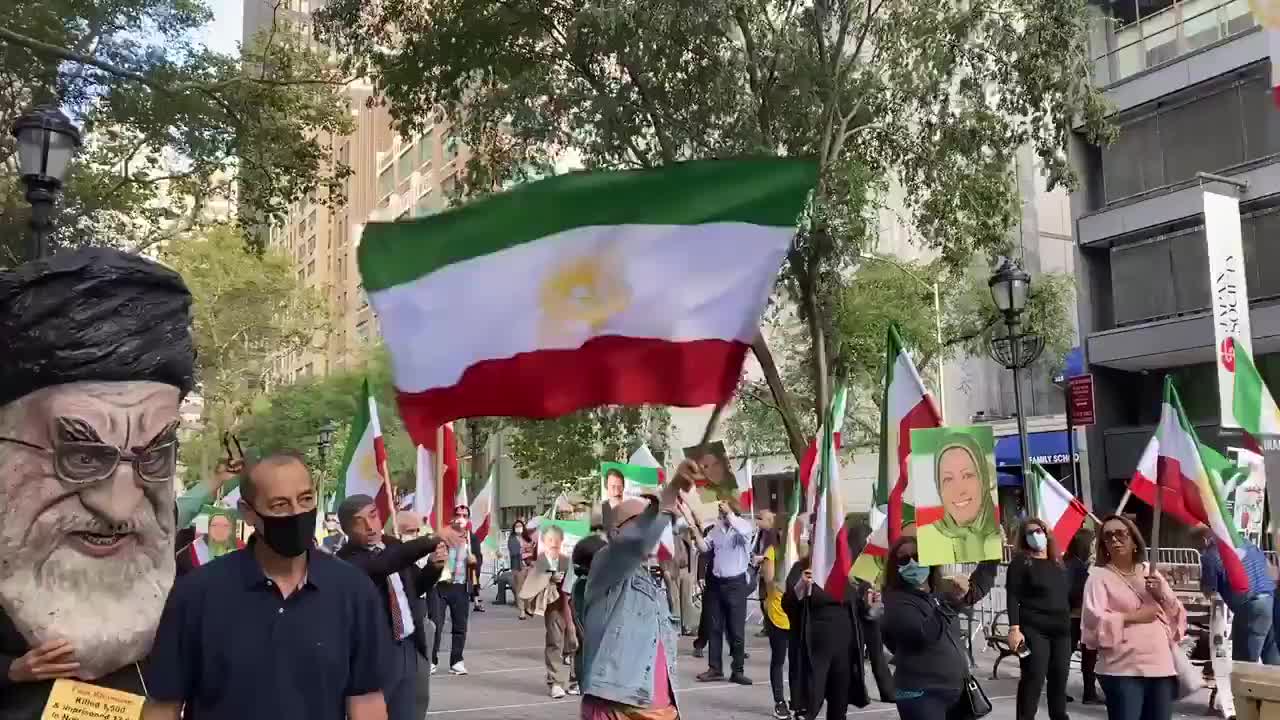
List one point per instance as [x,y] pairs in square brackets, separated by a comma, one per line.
[439,503]
[1155,527]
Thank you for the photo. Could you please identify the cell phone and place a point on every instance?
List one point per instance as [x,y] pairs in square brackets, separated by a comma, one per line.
[1024,651]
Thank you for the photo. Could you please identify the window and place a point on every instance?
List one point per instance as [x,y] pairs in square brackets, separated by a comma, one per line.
[386,182]
[1164,145]
[425,205]
[449,188]
[302,276]
[311,268]
[450,147]
[424,151]
[404,164]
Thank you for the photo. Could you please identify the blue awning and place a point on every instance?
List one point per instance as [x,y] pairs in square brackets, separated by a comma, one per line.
[1005,479]
[1047,448]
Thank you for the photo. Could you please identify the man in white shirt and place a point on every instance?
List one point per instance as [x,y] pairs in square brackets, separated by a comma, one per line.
[725,596]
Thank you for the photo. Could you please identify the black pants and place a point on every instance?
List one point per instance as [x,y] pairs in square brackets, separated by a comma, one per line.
[1049,661]
[781,652]
[402,690]
[704,617]
[728,617]
[1088,661]
[830,654]
[873,648]
[454,598]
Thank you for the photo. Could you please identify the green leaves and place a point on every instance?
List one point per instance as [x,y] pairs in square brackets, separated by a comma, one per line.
[168,125]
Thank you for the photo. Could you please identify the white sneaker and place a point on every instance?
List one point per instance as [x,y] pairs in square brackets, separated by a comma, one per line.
[458,669]
[574,689]
[434,667]
[557,692]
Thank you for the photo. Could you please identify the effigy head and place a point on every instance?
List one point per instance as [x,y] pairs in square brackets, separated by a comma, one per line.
[95,356]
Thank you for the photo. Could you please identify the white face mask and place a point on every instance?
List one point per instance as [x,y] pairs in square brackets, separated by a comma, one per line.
[1037,541]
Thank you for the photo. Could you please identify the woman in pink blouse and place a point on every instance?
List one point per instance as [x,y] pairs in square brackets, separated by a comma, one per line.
[1132,618]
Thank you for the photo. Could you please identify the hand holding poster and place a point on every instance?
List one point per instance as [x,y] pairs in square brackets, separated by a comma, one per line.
[954,492]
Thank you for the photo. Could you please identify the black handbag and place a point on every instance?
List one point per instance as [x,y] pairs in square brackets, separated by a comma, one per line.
[974,697]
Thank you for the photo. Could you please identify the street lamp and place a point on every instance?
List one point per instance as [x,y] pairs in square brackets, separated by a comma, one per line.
[937,322]
[46,143]
[324,440]
[1010,289]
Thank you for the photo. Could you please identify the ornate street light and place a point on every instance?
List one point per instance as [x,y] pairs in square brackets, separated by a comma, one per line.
[1010,289]
[324,440]
[46,143]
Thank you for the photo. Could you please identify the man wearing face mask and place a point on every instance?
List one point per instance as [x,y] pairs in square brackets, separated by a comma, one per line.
[393,567]
[277,630]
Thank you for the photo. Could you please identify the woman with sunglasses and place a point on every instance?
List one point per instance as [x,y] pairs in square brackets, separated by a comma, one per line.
[1040,620]
[1132,618]
[921,629]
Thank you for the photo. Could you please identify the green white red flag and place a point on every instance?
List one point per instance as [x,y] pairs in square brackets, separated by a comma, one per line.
[907,406]
[364,462]
[1059,509]
[832,560]
[618,288]
[1254,407]
[481,507]
[1173,461]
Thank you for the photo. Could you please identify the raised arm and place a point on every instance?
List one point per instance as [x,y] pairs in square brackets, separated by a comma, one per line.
[626,551]
[393,559]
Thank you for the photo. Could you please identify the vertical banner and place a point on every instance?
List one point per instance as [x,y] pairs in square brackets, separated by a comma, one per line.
[1230,295]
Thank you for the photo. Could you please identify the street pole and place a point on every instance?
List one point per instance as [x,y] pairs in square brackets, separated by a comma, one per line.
[1028,481]
[942,383]
[41,199]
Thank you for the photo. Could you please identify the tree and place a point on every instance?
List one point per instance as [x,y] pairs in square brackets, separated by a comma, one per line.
[930,96]
[564,454]
[881,293]
[170,127]
[248,308]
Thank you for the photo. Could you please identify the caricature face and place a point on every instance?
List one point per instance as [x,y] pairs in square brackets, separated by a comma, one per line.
[219,528]
[86,548]
[552,542]
[960,485]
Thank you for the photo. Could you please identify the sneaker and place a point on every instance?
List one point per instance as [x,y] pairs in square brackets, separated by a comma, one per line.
[781,711]
[478,608]
[557,692]
[434,667]
[698,652]
[574,689]
[568,659]
[458,669]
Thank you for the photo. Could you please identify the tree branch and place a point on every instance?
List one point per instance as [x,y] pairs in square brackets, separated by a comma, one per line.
[789,419]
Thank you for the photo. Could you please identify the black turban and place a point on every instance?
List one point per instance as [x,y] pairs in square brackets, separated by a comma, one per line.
[93,315]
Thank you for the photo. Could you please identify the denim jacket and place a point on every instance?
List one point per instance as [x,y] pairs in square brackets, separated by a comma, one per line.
[624,615]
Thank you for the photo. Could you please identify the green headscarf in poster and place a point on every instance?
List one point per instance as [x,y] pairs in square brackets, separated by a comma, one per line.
[218,549]
[967,538]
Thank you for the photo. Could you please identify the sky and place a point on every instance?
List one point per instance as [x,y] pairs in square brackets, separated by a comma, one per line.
[223,34]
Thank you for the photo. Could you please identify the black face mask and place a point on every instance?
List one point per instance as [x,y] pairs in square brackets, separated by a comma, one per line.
[289,535]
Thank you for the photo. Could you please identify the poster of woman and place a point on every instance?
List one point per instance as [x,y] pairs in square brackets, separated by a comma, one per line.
[953,487]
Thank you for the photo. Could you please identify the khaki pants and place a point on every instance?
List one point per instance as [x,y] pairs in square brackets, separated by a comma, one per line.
[680,588]
[562,641]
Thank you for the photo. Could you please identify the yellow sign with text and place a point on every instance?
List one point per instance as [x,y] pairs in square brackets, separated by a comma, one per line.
[72,700]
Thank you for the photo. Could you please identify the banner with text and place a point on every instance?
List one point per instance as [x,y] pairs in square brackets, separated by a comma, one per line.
[1230,294]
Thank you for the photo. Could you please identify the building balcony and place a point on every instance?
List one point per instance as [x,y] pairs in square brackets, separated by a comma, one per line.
[1129,37]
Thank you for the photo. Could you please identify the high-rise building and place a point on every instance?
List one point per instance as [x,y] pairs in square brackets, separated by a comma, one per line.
[1189,87]
[391,177]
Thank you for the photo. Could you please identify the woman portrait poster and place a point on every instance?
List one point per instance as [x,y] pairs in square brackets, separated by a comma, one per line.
[954,491]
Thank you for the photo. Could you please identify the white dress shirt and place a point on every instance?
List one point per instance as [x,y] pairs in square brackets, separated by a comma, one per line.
[730,540]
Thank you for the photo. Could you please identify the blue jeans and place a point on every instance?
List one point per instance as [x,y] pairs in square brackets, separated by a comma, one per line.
[929,705]
[1138,698]
[1252,638]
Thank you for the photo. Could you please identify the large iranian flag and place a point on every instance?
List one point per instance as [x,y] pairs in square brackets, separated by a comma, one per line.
[431,460]
[1254,407]
[581,290]
[831,557]
[364,462]
[1173,460]
[907,406]
[481,507]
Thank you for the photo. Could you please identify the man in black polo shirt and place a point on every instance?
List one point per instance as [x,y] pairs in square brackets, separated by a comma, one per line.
[277,630]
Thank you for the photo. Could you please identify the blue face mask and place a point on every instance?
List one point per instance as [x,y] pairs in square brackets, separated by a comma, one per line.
[1037,541]
[914,573]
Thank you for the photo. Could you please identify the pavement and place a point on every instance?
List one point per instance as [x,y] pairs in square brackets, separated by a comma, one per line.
[507,680]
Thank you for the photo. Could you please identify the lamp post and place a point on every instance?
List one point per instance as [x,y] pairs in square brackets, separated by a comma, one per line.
[937,322]
[46,143]
[324,441]
[1010,288]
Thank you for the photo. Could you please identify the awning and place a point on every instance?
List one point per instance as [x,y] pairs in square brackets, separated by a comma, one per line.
[1047,448]
[1004,479]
